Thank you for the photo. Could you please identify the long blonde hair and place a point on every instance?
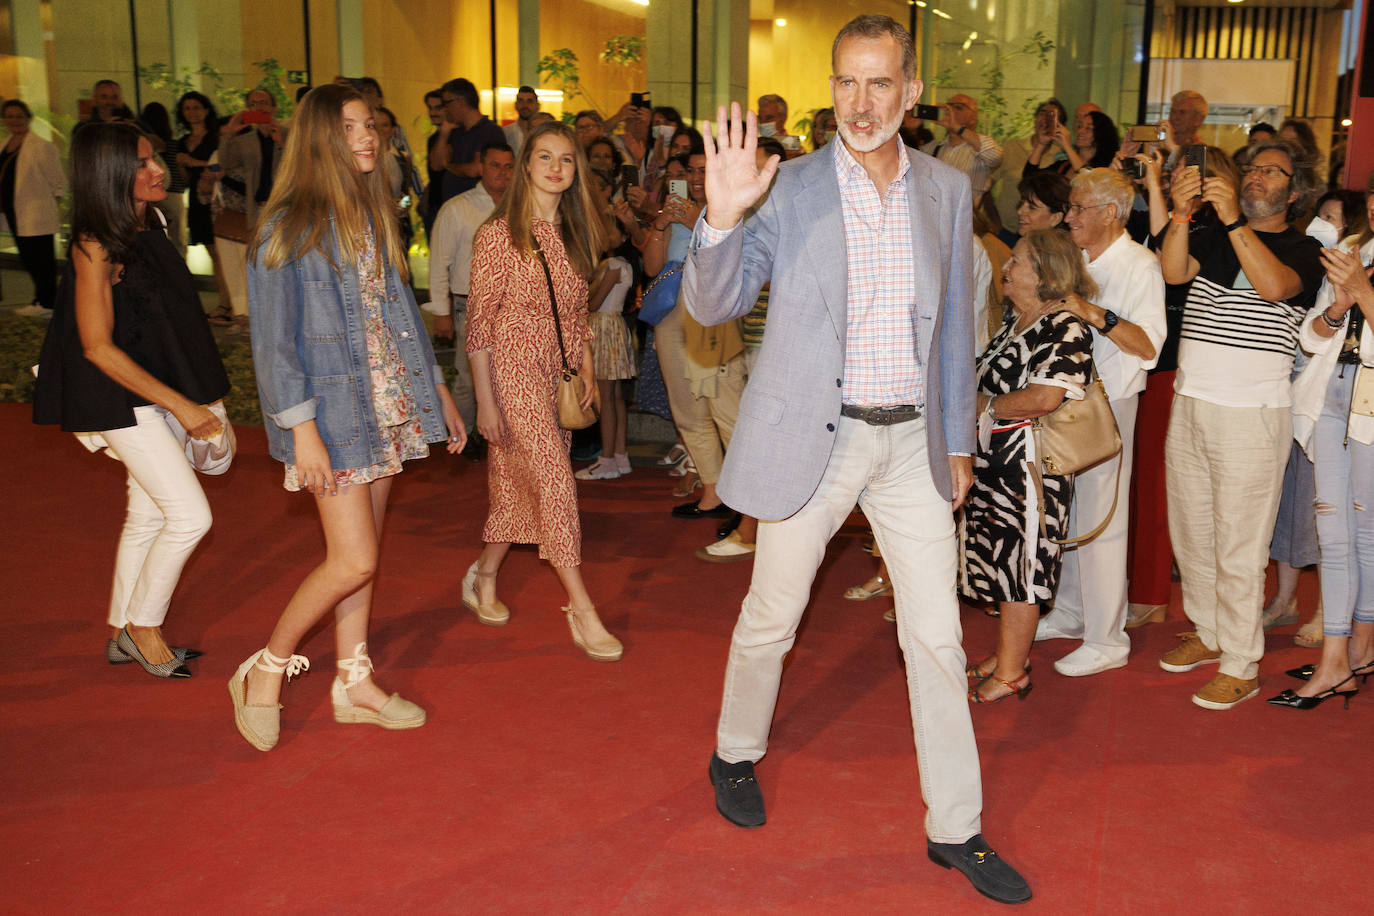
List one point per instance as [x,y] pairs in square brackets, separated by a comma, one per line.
[580,226]
[318,181]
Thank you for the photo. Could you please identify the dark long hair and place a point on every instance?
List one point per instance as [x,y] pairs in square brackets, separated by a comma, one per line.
[211,116]
[104,163]
[1106,140]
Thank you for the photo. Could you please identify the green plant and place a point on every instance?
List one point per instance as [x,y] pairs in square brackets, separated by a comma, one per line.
[623,50]
[996,115]
[561,67]
[228,99]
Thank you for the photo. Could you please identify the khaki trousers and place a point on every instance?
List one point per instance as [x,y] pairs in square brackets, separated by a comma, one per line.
[885,470]
[1224,471]
[705,424]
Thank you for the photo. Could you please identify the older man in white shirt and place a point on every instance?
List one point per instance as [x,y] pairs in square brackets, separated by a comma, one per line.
[450,260]
[1128,328]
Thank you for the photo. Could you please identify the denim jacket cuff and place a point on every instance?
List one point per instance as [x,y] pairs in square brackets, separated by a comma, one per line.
[297,414]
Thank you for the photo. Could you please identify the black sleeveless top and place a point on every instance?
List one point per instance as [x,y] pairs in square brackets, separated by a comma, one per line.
[158,322]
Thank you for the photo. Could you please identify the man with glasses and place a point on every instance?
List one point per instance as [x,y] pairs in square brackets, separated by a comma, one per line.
[1127,318]
[462,135]
[1253,279]
[976,155]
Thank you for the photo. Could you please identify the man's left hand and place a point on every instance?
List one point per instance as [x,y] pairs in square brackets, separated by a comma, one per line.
[961,475]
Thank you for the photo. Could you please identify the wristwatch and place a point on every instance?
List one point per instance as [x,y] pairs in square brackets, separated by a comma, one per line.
[1109,320]
[1230,227]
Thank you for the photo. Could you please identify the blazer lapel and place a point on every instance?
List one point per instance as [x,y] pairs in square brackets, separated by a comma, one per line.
[826,255]
[923,197]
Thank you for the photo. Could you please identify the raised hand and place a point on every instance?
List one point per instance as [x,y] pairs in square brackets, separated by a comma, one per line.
[734,182]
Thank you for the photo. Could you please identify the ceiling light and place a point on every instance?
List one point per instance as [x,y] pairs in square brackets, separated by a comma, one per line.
[941,13]
[780,23]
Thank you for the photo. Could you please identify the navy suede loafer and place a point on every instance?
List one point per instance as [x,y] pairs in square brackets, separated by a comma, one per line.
[738,796]
[989,874]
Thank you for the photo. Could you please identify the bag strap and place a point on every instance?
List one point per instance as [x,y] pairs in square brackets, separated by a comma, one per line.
[553,303]
[1034,470]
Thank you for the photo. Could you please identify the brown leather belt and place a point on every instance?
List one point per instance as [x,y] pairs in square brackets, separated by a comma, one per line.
[881,416]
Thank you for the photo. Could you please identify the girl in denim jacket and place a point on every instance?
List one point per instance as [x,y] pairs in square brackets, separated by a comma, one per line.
[349,388]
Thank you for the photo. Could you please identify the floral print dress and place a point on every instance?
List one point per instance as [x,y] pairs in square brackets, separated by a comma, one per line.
[402,433]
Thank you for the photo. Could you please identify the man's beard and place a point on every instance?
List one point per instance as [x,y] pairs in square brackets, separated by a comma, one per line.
[1267,206]
[868,144]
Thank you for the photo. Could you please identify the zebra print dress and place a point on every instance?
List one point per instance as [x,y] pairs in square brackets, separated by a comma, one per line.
[1004,558]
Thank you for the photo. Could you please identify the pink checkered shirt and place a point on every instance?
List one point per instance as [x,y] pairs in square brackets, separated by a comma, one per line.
[881,368]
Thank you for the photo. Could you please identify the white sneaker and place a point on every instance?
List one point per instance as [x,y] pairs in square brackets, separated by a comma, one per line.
[1086,660]
[600,469]
[1050,628]
[727,550]
[34,310]
[622,463]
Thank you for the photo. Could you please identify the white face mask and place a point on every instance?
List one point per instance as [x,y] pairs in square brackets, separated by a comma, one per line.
[665,132]
[1324,232]
[768,129]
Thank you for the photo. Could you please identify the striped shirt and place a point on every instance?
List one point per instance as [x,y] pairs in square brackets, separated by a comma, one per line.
[881,366]
[1236,348]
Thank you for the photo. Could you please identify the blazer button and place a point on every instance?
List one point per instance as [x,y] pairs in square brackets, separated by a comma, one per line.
[837,384]
[424,410]
[830,427]
[415,372]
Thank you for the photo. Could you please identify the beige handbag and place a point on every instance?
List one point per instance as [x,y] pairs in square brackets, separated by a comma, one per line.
[568,399]
[1075,436]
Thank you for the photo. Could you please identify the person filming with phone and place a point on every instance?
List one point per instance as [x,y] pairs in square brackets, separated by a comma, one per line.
[1253,277]
[250,149]
[976,155]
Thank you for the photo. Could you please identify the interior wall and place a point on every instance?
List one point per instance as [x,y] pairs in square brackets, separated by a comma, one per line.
[583,27]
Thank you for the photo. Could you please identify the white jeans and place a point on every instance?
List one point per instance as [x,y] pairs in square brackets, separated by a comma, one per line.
[1092,585]
[1224,469]
[885,469]
[233,260]
[167,516]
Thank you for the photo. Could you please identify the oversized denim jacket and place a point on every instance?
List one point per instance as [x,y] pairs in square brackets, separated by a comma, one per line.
[310,355]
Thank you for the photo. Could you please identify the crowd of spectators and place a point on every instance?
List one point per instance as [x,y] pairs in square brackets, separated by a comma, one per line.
[1203,294]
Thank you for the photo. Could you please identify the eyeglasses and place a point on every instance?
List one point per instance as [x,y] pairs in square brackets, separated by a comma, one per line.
[1268,171]
[1075,209]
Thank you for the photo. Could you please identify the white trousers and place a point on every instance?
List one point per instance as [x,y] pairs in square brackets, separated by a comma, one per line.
[233,260]
[1224,468]
[885,470]
[1092,584]
[167,517]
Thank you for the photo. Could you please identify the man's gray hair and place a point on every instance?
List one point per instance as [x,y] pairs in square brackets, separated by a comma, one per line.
[874,26]
[1184,95]
[774,99]
[1304,170]
[1107,186]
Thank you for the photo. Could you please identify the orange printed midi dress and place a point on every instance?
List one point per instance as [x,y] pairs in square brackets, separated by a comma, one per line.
[529,476]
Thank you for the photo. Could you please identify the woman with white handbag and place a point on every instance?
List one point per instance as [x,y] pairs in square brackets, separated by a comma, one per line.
[130,358]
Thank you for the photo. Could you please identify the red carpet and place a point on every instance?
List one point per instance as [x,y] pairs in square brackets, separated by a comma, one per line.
[548,783]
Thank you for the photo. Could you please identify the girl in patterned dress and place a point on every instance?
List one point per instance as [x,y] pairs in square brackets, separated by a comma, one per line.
[1042,355]
[350,389]
[547,218]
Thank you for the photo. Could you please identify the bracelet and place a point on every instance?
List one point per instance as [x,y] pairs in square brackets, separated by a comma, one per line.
[1175,219]
[1333,325]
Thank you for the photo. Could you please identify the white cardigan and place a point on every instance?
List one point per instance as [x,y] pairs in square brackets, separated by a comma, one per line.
[1309,389]
[39,184]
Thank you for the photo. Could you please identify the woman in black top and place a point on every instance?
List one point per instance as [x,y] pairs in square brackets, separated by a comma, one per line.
[129,363]
[191,155]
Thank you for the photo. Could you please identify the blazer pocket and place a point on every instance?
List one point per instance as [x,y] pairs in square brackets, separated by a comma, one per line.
[762,407]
